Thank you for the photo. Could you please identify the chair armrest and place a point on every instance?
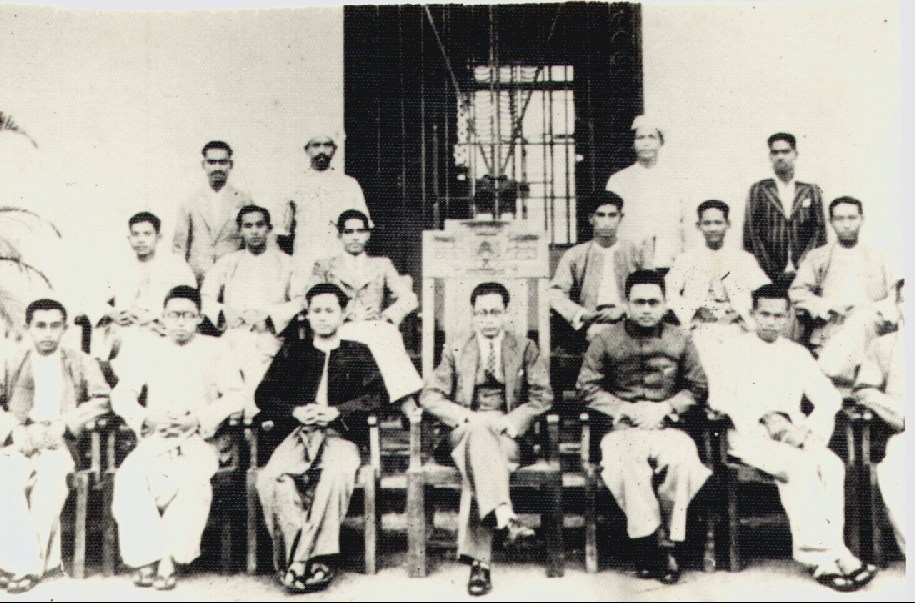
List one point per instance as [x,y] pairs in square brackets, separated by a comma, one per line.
[374,446]
[585,448]
[416,440]
[550,438]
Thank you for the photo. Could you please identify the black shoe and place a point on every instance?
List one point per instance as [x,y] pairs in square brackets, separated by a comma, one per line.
[670,570]
[516,532]
[480,582]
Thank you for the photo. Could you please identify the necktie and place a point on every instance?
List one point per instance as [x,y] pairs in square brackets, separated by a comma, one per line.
[491,361]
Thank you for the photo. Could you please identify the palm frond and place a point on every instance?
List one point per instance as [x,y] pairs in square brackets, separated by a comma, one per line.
[7,124]
[13,211]
[25,268]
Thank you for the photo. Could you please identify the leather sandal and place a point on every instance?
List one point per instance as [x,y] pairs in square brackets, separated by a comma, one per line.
[837,582]
[144,577]
[21,584]
[165,582]
[320,575]
[480,582]
[863,575]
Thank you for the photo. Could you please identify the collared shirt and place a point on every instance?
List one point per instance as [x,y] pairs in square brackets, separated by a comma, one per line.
[846,280]
[786,194]
[495,344]
[48,373]
[141,287]
[326,347]
[608,294]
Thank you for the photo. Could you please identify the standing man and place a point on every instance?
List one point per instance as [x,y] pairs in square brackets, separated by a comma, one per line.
[655,209]
[205,229]
[640,372]
[784,218]
[317,395]
[48,393]
[488,390]
[770,375]
[246,295]
[323,194]
[136,288]
[881,387]
[848,290]
[586,286]
[366,280]
[162,490]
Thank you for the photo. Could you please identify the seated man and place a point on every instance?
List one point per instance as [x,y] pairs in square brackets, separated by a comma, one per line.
[847,288]
[365,280]
[246,294]
[136,288]
[48,394]
[162,490]
[771,374]
[316,394]
[713,285]
[881,387]
[489,390]
[640,372]
[585,289]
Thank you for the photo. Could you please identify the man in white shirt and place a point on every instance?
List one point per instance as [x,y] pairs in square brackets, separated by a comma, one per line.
[587,286]
[321,196]
[205,226]
[162,490]
[135,290]
[848,289]
[247,296]
[770,375]
[656,213]
[48,394]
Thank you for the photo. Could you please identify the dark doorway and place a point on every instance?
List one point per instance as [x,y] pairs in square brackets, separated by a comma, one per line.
[451,109]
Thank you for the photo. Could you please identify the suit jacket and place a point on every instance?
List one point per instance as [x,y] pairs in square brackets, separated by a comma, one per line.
[769,234]
[82,382]
[382,276]
[201,238]
[576,283]
[354,387]
[449,393]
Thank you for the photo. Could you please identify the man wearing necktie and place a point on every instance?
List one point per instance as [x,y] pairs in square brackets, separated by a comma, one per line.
[489,390]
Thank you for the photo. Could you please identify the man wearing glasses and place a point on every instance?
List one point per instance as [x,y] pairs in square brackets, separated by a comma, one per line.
[312,209]
[162,490]
[366,280]
[488,390]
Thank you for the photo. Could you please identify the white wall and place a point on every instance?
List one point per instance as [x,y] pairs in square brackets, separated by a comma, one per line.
[722,77]
[121,103]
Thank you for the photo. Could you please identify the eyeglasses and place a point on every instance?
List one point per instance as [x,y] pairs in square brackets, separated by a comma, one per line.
[495,312]
[181,315]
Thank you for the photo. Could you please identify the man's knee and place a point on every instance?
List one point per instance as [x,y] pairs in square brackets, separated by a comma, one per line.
[341,459]
[680,448]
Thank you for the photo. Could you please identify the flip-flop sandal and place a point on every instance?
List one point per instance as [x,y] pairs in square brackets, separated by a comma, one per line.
[5,578]
[165,582]
[837,582]
[17,586]
[293,582]
[144,577]
[863,575]
[320,575]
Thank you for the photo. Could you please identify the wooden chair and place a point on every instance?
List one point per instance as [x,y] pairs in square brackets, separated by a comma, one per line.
[733,473]
[86,477]
[456,259]
[702,425]
[119,441]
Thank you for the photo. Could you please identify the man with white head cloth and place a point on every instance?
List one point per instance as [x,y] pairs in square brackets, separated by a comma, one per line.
[321,195]
[652,192]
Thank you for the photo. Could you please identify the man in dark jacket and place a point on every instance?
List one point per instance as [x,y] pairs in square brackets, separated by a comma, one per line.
[317,394]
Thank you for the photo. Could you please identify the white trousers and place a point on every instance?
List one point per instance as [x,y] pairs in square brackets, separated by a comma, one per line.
[386,344]
[162,497]
[33,495]
[253,353]
[811,485]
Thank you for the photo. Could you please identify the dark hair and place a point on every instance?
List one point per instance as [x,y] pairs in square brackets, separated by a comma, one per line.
[43,304]
[848,200]
[789,138]
[251,209]
[490,289]
[645,277]
[218,145]
[183,292]
[604,198]
[714,204]
[145,216]
[351,214]
[327,289]
[770,291]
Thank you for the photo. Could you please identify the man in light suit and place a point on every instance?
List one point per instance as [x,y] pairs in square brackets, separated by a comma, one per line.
[205,226]
[366,280]
[489,390]
[587,287]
